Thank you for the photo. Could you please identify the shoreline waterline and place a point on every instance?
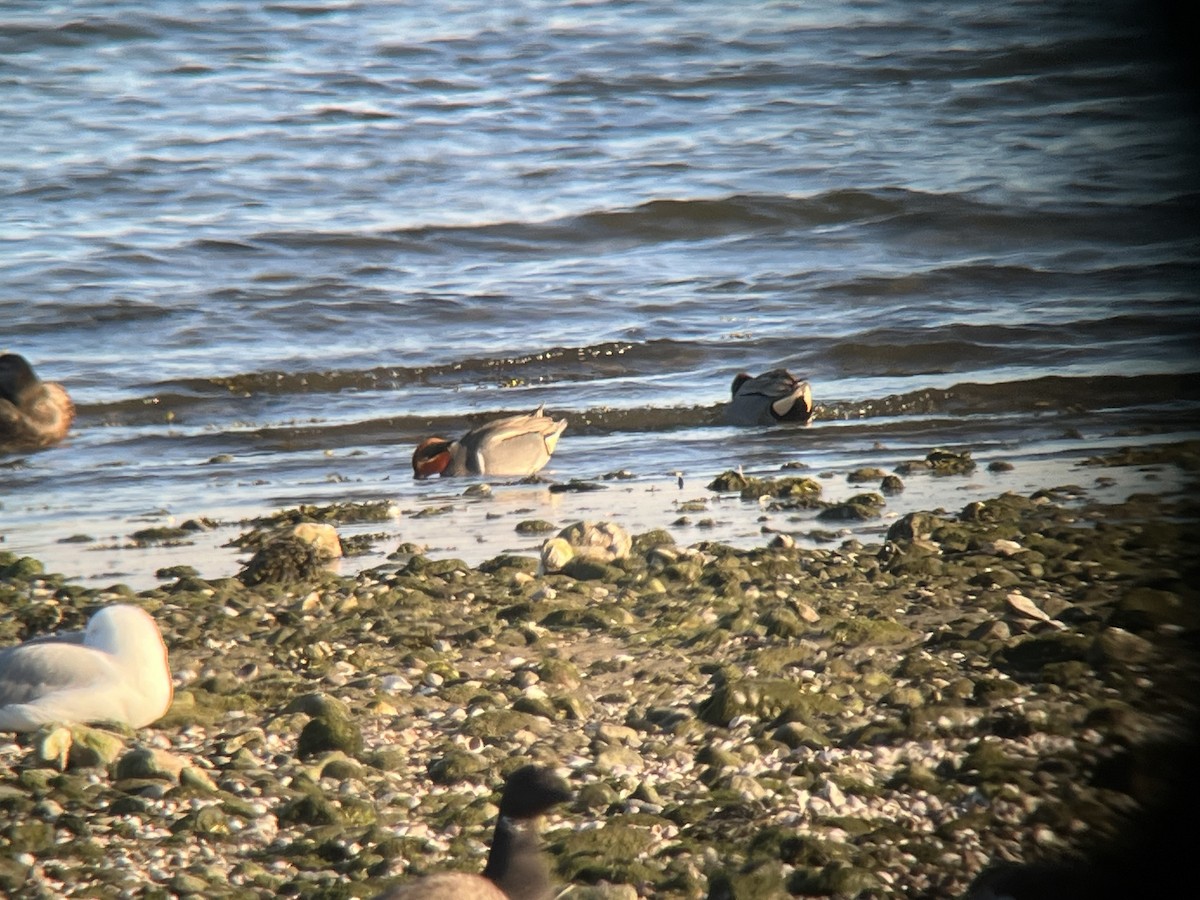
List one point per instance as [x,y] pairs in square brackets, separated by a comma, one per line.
[475,520]
[893,715]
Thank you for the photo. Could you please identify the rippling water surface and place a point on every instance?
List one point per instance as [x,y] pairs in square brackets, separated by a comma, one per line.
[269,246]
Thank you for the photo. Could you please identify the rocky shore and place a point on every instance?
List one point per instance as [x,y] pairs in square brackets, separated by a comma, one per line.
[1009,682]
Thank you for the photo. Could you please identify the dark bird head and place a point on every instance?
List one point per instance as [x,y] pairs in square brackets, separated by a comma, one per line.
[16,377]
[531,791]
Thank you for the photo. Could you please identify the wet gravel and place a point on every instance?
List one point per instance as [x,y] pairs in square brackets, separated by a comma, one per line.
[1008,682]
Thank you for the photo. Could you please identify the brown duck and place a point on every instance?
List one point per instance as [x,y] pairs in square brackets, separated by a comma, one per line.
[515,868]
[516,445]
[33,413]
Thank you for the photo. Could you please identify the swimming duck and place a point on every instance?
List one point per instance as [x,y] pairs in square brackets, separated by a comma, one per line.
[515,868]
[772,398]
[517,445]
[33,413]
[113,671]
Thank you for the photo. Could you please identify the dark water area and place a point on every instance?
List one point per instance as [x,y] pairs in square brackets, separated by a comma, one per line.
[269,247]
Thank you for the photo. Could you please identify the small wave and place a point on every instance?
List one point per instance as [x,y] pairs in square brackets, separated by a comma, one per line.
[24,38]
[552,365]
[1037,395]
[219,245]
[222,398]
[655,221]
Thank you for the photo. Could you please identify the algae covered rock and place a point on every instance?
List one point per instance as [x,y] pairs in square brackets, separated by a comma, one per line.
[914,526]
[76,746]
[770,699]
[612,852]
[947,462]
[797,490]
[534,526]
[859,508]
[331,728]
[324,734]
[754,881]
[1142,608]
[940,462]
[145,762]
[456,765]
[286,560]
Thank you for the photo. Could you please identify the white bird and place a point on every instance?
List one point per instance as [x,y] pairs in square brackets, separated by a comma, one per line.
[116,670]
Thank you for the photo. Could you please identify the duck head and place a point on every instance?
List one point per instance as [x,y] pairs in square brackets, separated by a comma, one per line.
[431,457]
[532,790]
[796,406]
[16,378]
[738,380]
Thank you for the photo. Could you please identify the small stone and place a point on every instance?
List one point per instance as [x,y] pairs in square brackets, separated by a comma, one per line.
[610,733]
[864,475]
[85,747]
[149,763]
[1004,548]
[993,630]
[1120,647]
[1023,606]
[556,553]
[831,792]
[193,777]
[182,884]
[329,732]
[53,746]
[795,734]
[534,526]
[618,759]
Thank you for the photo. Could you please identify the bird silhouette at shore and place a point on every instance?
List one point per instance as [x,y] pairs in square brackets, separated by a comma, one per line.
[515,867]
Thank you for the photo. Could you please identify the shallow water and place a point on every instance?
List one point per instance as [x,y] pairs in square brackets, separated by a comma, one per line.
[269,247]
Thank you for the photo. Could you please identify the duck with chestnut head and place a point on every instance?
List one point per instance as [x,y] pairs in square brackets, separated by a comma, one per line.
[516,445]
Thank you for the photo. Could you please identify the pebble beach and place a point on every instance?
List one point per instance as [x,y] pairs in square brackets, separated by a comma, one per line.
[1006,683]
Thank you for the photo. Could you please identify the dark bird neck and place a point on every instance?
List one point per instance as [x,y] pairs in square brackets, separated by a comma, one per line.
[515,864]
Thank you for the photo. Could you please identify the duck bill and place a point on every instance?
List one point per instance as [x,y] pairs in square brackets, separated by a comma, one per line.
[796,406]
